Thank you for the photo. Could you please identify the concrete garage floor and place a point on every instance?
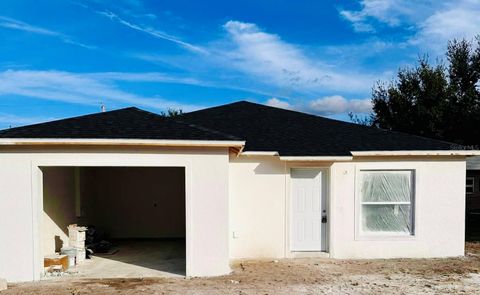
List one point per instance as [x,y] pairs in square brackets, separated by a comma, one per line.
[137,259]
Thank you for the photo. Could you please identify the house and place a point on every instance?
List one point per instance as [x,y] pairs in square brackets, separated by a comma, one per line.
[472,190]
[472,187]
[242,180]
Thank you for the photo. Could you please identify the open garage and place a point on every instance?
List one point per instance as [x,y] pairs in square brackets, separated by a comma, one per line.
[135,218]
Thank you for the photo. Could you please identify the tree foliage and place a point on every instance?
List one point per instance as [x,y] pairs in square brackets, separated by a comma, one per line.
[439,101]
[172,113]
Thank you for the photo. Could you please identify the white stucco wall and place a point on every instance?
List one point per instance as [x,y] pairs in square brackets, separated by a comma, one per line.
[16,211]
[21,203]
[259,208]
[439,211]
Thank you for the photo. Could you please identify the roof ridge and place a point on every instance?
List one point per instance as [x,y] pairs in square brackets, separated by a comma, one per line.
[199,127]
[280,109]
[69,118]
[305,114]
[373,128]
[221,106]
[213,131]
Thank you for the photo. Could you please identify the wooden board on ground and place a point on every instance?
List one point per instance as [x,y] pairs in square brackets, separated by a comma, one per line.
[56,260]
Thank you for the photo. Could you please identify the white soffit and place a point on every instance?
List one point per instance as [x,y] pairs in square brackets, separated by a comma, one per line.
[317,158]
[297,158]
[120,142]
[417,153]
[253,153]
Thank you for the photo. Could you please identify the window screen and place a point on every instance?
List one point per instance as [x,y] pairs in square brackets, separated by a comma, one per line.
[386,202]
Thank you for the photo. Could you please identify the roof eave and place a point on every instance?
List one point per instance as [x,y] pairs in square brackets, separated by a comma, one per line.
[316,158]
[465,153]
[118,142]
[259,153]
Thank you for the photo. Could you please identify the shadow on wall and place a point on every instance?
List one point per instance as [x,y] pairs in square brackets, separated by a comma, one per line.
[265,168]
[58,244]
[264,165]
[273,166]
[58,207]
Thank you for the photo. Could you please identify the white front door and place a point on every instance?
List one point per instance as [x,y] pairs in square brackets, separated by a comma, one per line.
[308,208]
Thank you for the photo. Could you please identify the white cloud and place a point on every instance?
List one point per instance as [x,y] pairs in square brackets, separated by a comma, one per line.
[14,24]
[249,59]
[327,105]
[337,104]
[432,23]
[275,102]
[392,13]
[18,25]
[269,59]
[143,77]
[152,32]
[357,21]
[459,19]
[389,12]
[88,89]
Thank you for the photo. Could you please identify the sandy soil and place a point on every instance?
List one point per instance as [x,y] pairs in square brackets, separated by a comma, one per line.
[296,276]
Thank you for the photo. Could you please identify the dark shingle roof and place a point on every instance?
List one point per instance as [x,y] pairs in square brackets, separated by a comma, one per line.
[128,123]
[264,128]
[298,134]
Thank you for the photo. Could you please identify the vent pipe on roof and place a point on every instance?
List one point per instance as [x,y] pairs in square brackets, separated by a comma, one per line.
[104,109]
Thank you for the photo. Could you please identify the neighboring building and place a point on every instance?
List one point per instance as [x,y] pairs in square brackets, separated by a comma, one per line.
[237,181]
[472,187]
[472,190]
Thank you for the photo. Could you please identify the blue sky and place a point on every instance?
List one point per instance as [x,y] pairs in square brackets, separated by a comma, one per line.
[64,58]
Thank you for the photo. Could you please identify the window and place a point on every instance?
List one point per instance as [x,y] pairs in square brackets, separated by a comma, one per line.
[386,203]
[470,186]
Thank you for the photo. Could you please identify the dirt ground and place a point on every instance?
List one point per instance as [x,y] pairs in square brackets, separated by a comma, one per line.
[295,276]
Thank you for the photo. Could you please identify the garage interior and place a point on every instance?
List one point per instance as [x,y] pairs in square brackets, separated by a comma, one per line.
[140,210]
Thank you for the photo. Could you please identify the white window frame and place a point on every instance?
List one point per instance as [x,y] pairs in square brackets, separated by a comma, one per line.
[472,186]
[365,235]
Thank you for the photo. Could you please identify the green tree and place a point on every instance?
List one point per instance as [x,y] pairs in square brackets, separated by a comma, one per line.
[439,101]
[172,113]
[462,112]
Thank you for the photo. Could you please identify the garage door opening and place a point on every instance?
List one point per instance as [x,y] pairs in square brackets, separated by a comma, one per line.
[140,211]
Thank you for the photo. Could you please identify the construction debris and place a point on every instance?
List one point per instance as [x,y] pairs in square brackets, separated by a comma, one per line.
[77,236]
[71,253]
[3,285]
[53,260]
[96,242]
[57,271]
[76,233]
[58,265]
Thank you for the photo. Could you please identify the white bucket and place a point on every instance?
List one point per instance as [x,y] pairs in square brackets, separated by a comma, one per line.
[81,255]
[71,253]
